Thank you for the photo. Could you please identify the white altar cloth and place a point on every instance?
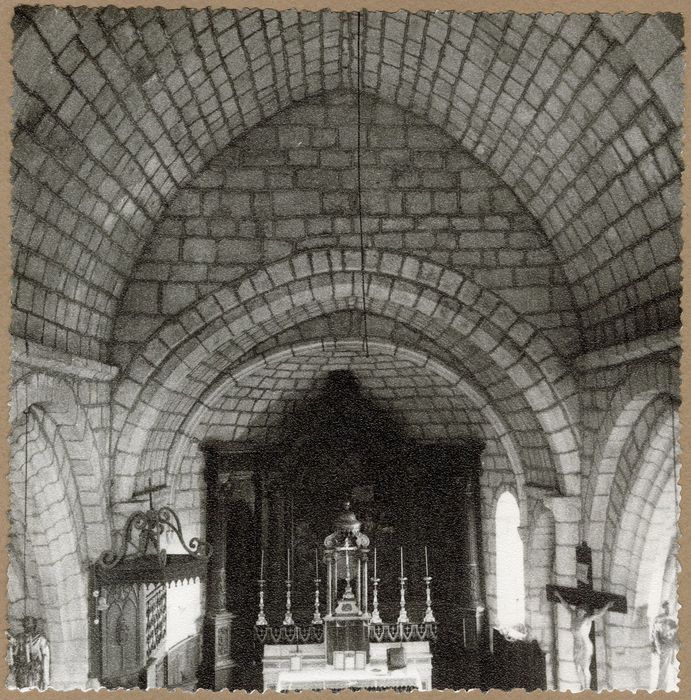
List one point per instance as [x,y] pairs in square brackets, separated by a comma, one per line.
[327,677]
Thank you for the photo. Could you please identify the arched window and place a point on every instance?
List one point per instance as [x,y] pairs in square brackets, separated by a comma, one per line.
[510,579]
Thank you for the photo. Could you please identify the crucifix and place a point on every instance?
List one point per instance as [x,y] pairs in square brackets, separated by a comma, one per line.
[586,605]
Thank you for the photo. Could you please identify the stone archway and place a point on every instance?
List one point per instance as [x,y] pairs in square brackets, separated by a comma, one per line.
[306,283]
[643,385]
[57,538]
[628,639]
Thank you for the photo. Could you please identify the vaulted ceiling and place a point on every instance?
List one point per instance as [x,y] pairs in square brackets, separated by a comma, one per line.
[116,110]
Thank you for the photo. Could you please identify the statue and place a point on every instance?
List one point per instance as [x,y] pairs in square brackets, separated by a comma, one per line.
[581,624]
[28,657]
[665,643]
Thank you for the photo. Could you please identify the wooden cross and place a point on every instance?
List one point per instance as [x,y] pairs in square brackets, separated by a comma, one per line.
[586,598]
[150,490]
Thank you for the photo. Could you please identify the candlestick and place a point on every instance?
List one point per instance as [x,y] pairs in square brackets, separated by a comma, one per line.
[403,613]
[376,617]
[288,617]
[429,615]
[316,618]
[426,563]
[261,618]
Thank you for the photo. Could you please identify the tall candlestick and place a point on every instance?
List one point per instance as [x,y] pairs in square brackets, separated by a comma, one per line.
[288,618]
[403,613]
[429,615]
[376,617]
[426,563]
[316,618]
[261,617]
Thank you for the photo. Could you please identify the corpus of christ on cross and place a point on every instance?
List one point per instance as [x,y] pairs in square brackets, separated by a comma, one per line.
[585,604]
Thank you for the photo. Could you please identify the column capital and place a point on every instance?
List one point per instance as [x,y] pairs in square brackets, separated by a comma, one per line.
[565,509]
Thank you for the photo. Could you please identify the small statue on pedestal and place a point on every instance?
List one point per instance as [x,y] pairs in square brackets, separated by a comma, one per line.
[665,643]
[28,657]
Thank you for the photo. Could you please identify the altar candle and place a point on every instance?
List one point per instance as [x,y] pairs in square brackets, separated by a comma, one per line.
[426,563]
[375,562]
[401,562]
[261,568]
[316,564]
[288,560]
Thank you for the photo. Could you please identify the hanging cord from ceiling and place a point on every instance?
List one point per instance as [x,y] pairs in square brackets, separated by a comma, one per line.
[365,338]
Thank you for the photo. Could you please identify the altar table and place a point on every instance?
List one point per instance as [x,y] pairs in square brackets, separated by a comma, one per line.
[316,674]
[328,678]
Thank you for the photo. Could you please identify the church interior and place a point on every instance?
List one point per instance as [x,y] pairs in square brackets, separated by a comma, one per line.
[345,349]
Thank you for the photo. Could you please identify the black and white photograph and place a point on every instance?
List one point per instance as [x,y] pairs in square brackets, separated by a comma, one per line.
[345,349]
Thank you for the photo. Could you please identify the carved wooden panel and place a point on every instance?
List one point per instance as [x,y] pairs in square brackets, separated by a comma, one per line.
[122,654]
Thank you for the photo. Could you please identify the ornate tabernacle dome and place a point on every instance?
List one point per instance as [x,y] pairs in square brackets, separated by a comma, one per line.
[347,527]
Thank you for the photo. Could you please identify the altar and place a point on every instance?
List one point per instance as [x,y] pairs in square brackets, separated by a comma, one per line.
[349,646]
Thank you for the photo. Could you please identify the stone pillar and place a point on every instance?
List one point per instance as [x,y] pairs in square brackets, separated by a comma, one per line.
[216,666]
[567,515]
[475,598]
[470,509]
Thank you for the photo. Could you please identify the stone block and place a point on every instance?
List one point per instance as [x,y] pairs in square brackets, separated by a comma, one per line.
[293,136]
[318,178]
[199,250]
[445,202]
[303,157]
[245,179]
[141,297]
[176,297]
[417,203]
[295,203]
[324,138]
[185,203]
[387,137]
[426,139]
[234,203]
[289,228]
[239,250]
[188,272]
[338,203]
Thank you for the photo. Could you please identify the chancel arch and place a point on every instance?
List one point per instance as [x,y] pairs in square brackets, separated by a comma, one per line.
[212,323]
[489,424]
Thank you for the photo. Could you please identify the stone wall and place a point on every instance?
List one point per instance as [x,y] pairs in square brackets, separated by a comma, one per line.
[115,110]
[291,185]
[64,438]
